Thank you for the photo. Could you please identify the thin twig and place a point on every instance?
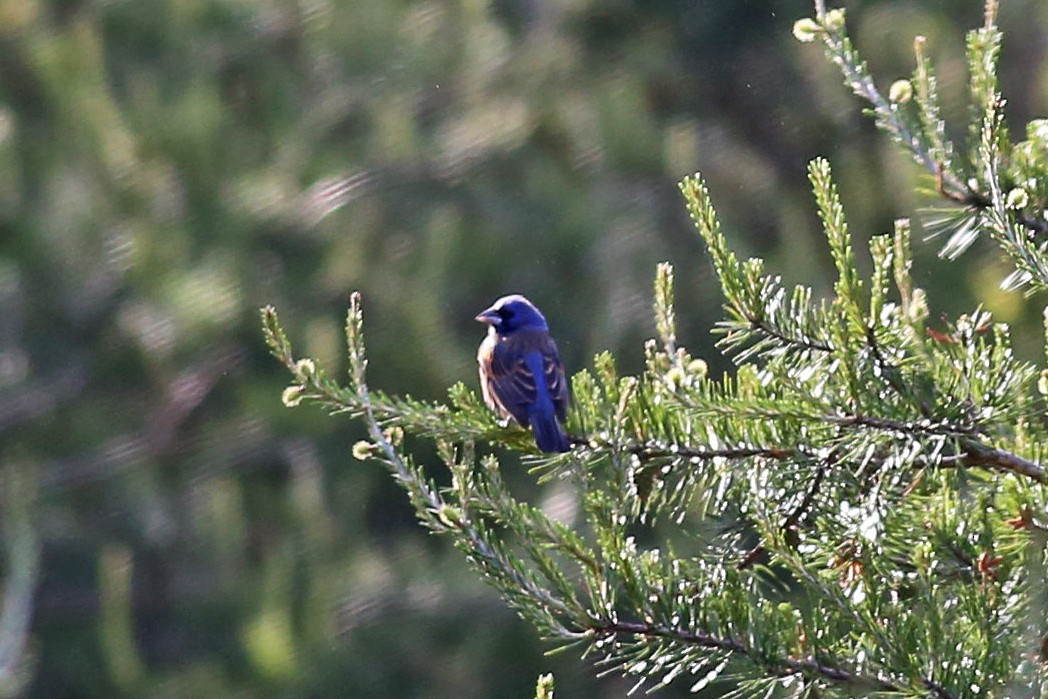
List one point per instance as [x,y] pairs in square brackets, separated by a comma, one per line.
[786,666]
[923,427]
[759,324]
[979,455]
[889,371]
[791,520]
[647,452]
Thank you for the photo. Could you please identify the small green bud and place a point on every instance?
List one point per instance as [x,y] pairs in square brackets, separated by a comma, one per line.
[918,310]
[305,369]
[450,516]
[901,91]
[1017,199]
[805,30]
[674,378]
[922,556]
[698,368]
[363,450]
[834,20]
[544,687]
[394,435]
[292,395]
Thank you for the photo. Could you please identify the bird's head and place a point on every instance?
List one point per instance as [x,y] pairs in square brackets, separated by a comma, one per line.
[511,313]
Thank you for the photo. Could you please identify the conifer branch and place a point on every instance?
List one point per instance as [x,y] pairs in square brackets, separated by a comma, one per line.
[791,520]
[979,455]
[857,76]
[922,427]
[431,508]
[812,446]
[782,667]
[647,452]
[889,371]
[976,185]
[764,328]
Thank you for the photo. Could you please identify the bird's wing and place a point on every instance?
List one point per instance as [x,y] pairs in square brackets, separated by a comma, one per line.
[556,383]
[510,381]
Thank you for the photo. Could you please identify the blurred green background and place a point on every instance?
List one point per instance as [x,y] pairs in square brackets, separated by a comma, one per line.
[169,166]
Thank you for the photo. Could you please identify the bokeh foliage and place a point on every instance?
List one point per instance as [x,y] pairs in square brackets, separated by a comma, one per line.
[168,167]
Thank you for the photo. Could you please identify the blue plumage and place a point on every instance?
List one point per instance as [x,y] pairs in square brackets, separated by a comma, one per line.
[520,371]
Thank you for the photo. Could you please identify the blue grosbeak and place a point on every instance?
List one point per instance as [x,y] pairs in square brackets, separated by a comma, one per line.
[520,372]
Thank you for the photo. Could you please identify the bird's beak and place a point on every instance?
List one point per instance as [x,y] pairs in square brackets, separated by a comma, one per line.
[490,316]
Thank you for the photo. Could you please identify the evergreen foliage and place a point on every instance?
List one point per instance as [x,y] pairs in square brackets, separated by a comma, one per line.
[857,510]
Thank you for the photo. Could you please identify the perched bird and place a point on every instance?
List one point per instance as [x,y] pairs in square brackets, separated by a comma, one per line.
[520,372]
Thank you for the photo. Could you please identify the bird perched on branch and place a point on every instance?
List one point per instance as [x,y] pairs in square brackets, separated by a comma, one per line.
[520,372]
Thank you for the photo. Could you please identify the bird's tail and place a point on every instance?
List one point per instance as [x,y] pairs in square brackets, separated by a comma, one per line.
[549,435]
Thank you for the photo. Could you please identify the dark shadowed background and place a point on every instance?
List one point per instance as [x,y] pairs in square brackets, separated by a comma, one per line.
[167,167]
